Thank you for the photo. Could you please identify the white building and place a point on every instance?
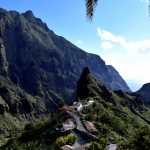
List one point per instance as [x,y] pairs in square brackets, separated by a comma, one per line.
[77,106]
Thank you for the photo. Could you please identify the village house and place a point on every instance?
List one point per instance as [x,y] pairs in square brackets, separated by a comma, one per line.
[77,106]
[90,127]
[68,125]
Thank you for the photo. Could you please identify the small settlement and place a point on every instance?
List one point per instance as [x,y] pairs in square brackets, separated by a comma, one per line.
[71,123]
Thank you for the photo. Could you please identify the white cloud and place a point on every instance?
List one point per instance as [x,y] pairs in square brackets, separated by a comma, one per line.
[132,67]
[133,62]
[106,45]
[108,36]
[142,46]
[79,42]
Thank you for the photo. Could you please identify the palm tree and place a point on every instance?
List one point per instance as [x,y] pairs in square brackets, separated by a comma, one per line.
[90,7]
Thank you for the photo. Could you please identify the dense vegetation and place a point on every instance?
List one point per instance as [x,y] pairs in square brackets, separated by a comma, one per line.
[140,140]
[98,145]
[120,118]
[44,134]
[39,70]
[117,115]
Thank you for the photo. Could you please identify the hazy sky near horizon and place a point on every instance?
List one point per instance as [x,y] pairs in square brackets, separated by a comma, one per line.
[119,32]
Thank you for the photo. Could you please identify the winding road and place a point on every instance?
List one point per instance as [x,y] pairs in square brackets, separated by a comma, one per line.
[78,122]
[80,127]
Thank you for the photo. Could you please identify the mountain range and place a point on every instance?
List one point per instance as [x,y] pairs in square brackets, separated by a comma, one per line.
[41,71]
[37,60]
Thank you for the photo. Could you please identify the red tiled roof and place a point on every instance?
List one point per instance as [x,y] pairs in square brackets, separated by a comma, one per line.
[90,126]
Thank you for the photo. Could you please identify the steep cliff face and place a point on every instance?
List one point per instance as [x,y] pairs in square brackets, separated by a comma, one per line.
[16,101]
[117,81]
[37,60]
[3,59]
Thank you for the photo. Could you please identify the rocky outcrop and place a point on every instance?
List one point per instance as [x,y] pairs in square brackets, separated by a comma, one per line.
[87,86]
[144,92]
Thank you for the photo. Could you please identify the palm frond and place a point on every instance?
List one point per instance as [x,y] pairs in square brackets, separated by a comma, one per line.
[90,6]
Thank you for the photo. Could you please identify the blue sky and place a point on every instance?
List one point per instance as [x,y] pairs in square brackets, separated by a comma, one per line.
[119,32]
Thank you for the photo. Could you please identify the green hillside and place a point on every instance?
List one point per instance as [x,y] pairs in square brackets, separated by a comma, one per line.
[117,116]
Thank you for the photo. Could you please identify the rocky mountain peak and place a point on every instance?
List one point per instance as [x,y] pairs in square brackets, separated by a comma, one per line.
[87,86]
[144,91]
[29,14]
[3,13]
[2,10]
[146,86]
[32,19]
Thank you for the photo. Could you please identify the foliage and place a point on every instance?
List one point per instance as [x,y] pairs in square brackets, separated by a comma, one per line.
[90,6]
[87,109]
[140,140]
[98,109]
[63,140]
[98,145]
[71,139]
[103,141]
[95,146]
[38,135]
[103,128]
[29,126]
[94,109]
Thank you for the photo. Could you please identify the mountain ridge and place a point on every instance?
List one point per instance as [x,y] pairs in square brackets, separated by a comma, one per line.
[144,92]
[37,60]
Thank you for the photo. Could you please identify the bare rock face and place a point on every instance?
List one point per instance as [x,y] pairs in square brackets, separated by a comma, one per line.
[42,63]
[3,59]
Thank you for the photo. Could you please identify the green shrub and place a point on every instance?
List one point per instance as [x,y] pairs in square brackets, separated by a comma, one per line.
[60,141]
[95,146]
[103,141]
[63,140]
[71,138]
[103,128]
[116,123]
[100,145]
